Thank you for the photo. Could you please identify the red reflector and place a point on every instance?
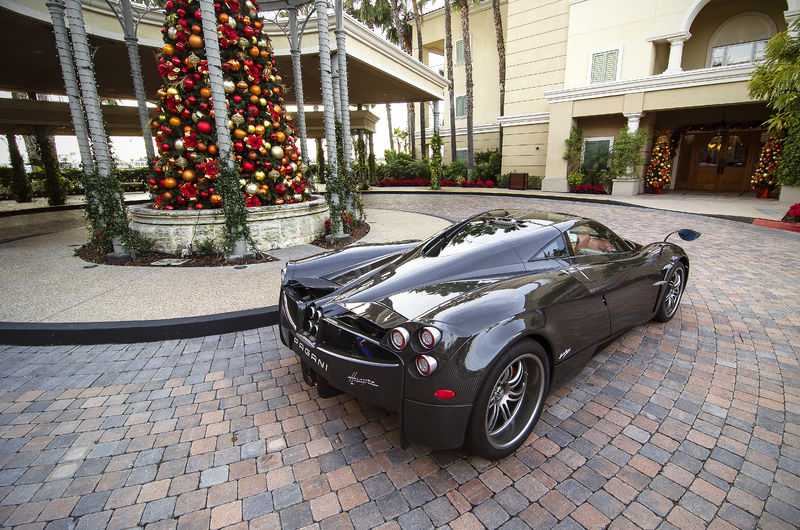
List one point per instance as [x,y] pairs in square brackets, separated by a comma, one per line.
[444,394]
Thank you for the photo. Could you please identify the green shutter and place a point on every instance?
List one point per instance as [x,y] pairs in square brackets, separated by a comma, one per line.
[611,65]
[598,67]
[460,51]
[461,106]
[604,66]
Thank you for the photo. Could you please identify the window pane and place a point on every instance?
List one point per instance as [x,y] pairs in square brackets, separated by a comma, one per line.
[759,51]
[461,154]
[709,154]
[736,154]
[718,56]
[593,239]
[557,248]
[739,53]
[595,154]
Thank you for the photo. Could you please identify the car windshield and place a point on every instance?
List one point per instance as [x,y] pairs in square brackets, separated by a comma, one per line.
[490,228]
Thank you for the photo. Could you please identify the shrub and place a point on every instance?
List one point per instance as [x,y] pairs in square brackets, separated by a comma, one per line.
[455,170]
[206,247]
[491,161]
[789,163]
[627,153]
[535,182]
[576,178]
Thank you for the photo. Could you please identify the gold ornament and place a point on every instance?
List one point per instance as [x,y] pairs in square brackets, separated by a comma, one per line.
[228,86]
[193,60]
[251,188]
[179,144]
[238,119]
[274,174]
[181,162]
[277,151]
[260,176]
[297,197]
[251,129]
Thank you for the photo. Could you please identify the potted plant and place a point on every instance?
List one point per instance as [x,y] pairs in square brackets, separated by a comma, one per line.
[625,155]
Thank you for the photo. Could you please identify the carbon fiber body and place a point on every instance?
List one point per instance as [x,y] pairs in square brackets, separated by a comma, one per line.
[485,283]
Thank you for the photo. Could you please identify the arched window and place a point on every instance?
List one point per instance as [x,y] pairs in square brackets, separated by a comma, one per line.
[740,39]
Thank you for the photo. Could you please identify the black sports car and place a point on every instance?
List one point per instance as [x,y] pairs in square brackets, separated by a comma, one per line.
[462,334]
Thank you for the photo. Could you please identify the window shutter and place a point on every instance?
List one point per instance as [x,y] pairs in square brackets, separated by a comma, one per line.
[611,65]
[460,51]
[598,67]
[461,106]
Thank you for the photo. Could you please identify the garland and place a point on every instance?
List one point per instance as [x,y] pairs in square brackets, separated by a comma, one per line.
[435,161]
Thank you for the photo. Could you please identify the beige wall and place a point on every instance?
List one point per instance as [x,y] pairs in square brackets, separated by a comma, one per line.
[536,53]
[525,149]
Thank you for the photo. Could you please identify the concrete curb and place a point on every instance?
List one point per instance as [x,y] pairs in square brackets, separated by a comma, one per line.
[58,333]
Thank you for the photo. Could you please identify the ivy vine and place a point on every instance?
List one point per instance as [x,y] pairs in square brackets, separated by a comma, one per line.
[435,162]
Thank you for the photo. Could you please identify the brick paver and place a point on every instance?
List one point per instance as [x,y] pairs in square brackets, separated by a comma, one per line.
[693,423]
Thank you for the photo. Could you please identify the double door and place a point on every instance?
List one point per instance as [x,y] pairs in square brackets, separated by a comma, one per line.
[723,162]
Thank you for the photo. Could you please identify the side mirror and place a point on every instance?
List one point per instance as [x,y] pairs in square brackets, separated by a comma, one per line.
[687,234]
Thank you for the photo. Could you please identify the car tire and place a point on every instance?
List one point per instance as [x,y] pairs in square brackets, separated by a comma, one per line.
[520,377]
[673,291]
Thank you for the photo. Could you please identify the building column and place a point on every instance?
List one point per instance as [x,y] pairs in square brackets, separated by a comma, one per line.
[633,121]
[676,52]
[561,123]
[791,15]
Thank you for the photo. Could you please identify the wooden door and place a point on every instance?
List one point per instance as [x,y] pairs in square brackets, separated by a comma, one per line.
[723,162]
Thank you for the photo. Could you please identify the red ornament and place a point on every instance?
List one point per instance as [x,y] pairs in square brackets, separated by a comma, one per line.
[188,83]
[203,127]
[248,167]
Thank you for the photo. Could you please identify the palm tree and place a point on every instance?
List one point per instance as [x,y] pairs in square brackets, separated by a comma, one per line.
[501,61]
[468,71]
[404,37]
[448,52]
[418,23]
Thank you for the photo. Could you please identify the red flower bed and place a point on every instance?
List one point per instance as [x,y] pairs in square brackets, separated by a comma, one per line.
[588,188]
[468,184]
[404,182]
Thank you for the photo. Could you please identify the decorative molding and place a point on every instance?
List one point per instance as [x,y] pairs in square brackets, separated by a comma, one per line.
[444,132]
[534,118]
[665,81]
[668,37]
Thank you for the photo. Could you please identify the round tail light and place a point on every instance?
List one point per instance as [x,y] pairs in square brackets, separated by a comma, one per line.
[429,337]
[426,364]
[399,338]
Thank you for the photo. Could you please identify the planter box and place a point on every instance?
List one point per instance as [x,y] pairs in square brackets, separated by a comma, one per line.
[272,227]
[780,225]
[626,187]
[518,181]
[789,194]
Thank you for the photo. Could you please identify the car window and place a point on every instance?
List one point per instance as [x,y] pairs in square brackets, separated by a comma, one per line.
[594,238]
[557,248]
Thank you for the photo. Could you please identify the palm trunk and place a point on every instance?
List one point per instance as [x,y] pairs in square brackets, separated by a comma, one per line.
[71,85]
[468,71]
[132,43]
[294,40]
[448,51]
[91,101]
[215,83]
[20,185]
[389,124]
[420,56]
[328,116]
[501,62]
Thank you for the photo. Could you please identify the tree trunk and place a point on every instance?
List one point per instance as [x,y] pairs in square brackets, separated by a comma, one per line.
[448,51]
[71,84]
[420,56]
[132,43]
[20,185]
[54,184]
[406,46]
[501,62]
[294,39]
[328,109]
[389,124]
[91,101]
[215,83]
[468,70]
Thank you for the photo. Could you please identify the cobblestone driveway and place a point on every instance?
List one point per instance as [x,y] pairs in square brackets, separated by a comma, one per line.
[693,423]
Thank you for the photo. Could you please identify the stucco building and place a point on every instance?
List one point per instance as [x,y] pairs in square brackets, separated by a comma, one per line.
[661,65]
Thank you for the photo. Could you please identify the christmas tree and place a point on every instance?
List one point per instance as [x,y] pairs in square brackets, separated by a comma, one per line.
[659,171]
[262,132]
[766,173]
